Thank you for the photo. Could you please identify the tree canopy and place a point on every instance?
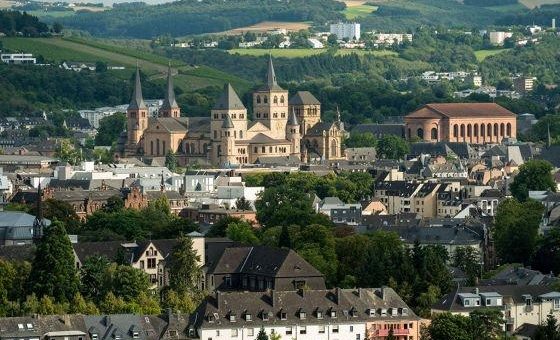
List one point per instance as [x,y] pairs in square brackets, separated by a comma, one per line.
[533,175]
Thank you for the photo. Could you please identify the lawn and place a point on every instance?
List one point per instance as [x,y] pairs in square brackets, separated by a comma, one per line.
[483,54]
[303,52]
[536,3]
[55,14]
[354,12]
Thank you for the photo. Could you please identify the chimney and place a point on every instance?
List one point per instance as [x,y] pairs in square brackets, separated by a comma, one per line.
[338,296]
[219,299]
[107,321]
[476,291]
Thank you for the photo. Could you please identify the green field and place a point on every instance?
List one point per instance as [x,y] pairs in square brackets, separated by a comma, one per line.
[56,50]
[354,12]
[303,52]
[483,54]
[53,14]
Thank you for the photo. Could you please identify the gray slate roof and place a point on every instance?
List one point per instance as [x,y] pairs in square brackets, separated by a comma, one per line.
[303,98]
[137,101]
[229,100]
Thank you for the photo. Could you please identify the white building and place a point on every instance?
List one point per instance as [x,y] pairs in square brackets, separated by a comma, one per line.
[498,37]
[315,43]
[349,31]
[392,38]
[18,58]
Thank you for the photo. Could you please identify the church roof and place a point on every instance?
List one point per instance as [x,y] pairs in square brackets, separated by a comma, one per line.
[317,129]
[271,83]
[169,124]
[461,110]
[137,102]
[304,98]
[169,102]
[228,123]
[292,119]
[229,100]
[261,138]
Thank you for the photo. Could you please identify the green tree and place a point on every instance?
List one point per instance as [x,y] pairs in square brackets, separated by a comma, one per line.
[114,204]
[392,147]
[67,152]
[127,282]
[183,302]
[53,272]
[284,239]
[446,326]
[516,229]
[468,260]
[549,330]
[80,306]
[184,268]
[391,335]
[242,232]
[547,257]
[360,140]
[92,278]
[110,128]
[262,335]
[486,324]
[171,161]
[242,204]
[54,209]
[533,175]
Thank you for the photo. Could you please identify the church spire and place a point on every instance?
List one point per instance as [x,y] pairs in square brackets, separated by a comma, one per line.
[292,119]
[271,83]
[169,101]
[137,101]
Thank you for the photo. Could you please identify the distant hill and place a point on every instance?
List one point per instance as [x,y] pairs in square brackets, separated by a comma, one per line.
[14,22]
[185,17]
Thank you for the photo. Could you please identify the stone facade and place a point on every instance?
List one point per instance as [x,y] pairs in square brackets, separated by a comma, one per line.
[474,123]
[282,127]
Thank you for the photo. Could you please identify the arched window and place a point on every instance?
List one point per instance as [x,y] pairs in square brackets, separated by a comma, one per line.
[482,130]
[496,129]
[475,130]
[192,148]
[219,150]
[455,131]
[258,99]
[502,129]
[275,100]
[489,129]
[508,129]
[469,130]
[205,147]
[187,148]
[434,134]
[241,134]
[420,133]
[282,100]
[157,147]
[152,147]
[334,148]
[462,130]
[265,100]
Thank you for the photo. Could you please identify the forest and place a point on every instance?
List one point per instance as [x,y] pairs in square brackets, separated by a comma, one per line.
[12,22]
[541,15]
[182,18]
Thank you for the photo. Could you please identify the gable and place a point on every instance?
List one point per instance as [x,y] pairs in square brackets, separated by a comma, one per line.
[425,112]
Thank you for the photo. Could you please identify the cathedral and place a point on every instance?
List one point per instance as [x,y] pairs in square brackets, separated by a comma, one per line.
[282,128]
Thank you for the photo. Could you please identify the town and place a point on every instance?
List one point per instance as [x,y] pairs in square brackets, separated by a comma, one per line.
[217,177]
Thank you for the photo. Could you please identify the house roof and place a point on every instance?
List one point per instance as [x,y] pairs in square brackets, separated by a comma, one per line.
[380,130]
[461,110]
[304,98]
[319,128]
[229,100]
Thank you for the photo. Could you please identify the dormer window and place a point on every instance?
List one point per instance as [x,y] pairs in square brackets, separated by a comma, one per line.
[333,314]
[302,315]
[319,314]
[353,312]
[232,317]
[371,312]
[211,318]
[94,336]
[264,315]
[248,317]
[135,335]
[283,315]
[404,311]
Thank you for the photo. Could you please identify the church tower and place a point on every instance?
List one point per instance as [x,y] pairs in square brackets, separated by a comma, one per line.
[170,108]
[293,135]
[270,104]
[136,118]
[227,107]
[227,146]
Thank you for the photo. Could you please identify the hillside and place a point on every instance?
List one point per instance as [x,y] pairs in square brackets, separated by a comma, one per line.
[186,17]
[56,50]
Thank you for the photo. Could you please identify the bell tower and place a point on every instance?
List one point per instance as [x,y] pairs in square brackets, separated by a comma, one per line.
[170,108]
[136,118]
[270,104]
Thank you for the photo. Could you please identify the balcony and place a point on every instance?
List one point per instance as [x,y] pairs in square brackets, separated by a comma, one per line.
[385,332]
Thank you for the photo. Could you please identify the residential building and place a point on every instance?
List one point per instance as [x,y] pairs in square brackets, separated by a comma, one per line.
[520,304]
[424,202]
[315,43]
[208,214]
[343,314]
[498,37]
[18,58]
[360,155]
[350,31]
[474,123]
[16,228]
[340,212]
[78,66]
[392,38]
[397,196]
[524,84]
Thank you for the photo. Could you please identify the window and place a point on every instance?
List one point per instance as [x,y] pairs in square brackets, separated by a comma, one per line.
[302,315]
[351,329]
[151,263]
[303,330]
[321,329]
[283,315]
[232,318]
[319,315]
[357,336]
[556,303]
[250,332]
[488,302]
[217,332]
[333,314]
[228,281]
[288,330]
[234,333]
[247,317]
[265,316]
[335,328]
[142,264]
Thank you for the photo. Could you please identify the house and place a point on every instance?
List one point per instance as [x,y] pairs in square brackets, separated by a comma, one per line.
[368,313]
[520,304]
[350,31]
[47,327]
[397,195]
[18,58]
[16,228]
[208,214]
[315,43]
[77,66]
[260,268]
[499,37]
[340,212]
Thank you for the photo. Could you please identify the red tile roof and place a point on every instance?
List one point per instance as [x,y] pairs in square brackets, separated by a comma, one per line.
[462,110]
